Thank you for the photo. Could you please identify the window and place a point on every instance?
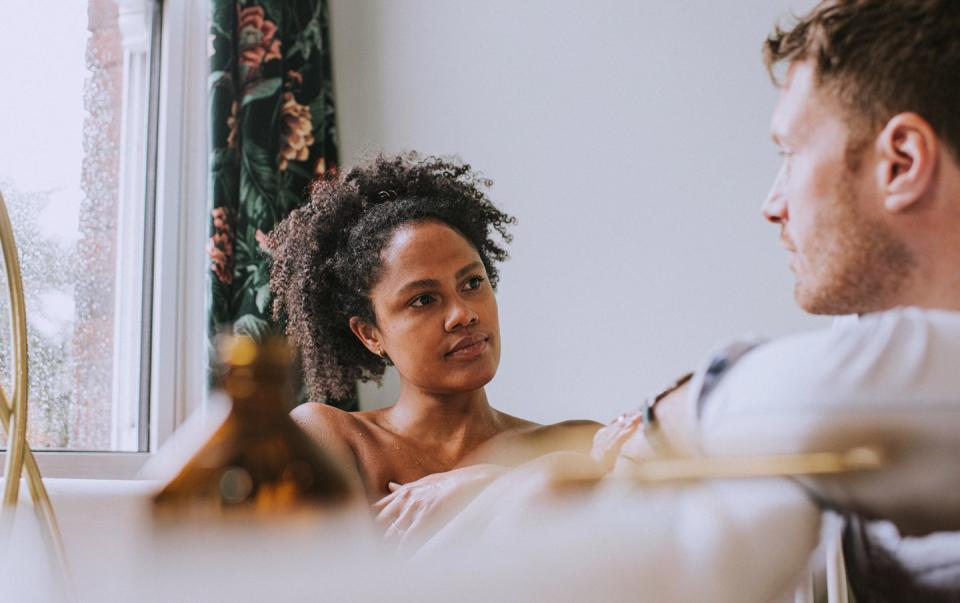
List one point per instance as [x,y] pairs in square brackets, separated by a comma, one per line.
[76,162]
[102,166]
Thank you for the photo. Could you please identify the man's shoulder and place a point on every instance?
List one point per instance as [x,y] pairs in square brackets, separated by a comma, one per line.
[883,340]
[903,324]
[887,356]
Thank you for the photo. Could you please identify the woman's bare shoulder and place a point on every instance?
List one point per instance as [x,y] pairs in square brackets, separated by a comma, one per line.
[525,427]
[522,440]
[522,427]
[574,436]
[334,431]
[572,425]
[324,421]
[578,432]
[510,423]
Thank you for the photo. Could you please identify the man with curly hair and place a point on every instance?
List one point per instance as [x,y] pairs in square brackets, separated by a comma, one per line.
[396,264]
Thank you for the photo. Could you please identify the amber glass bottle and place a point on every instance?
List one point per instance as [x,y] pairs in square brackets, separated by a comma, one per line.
[258,459]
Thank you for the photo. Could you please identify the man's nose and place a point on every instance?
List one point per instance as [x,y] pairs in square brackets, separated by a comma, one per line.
[774,207]
[460,315]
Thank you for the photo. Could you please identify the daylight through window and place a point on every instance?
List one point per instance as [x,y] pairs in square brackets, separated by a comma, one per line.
[74,173]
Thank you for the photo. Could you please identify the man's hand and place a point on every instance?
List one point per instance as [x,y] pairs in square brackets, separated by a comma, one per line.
[608,441]
[412,512]
[673,422]
[624,437]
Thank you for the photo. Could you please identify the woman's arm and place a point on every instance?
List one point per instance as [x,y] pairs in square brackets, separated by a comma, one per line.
[414,511]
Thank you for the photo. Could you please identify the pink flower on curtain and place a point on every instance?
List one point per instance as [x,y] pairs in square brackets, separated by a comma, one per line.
[220,246]
[232,123]
[297,128]
[320,167]
[322,170]
[256,37]
[263,241]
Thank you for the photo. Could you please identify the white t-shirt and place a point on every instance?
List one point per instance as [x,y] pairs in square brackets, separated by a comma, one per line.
[890,379]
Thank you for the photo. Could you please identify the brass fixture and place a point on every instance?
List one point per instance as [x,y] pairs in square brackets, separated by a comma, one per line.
[13,412]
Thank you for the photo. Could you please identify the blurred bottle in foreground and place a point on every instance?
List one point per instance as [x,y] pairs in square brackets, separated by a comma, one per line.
[258,460]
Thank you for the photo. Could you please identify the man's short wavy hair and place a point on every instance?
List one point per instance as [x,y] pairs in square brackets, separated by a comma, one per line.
[879,58]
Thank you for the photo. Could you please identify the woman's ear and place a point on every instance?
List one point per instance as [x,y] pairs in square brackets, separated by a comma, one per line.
[907,149]
[368,334]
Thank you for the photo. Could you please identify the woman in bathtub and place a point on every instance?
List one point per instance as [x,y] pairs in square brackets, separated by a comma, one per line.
[395,264]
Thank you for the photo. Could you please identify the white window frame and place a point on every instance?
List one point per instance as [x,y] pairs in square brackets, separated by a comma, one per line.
[178,361]
[179,350]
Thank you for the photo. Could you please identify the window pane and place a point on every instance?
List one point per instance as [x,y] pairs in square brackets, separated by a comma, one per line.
[73,160]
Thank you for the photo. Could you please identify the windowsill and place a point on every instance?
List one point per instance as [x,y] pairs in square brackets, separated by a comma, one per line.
[88,465]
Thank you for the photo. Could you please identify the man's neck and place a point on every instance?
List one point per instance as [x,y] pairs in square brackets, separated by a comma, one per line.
[942,296]
[932,234]
[935,284]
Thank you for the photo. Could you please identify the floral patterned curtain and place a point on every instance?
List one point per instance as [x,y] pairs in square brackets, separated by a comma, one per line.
[272,131]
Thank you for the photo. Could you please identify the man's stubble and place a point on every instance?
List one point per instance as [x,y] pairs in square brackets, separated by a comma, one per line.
[854,263]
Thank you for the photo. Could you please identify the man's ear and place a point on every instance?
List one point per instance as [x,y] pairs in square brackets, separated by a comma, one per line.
[368,334]
[907,149]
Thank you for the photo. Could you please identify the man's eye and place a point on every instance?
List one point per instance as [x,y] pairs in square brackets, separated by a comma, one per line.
[422,300]
[474,283]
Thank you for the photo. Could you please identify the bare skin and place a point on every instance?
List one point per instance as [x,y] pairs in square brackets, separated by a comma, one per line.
[437,322]
[376,453]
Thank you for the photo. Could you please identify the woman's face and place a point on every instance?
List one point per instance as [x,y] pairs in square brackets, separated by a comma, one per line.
[436,312]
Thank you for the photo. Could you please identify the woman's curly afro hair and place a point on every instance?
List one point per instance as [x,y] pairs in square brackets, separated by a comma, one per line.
[326,255]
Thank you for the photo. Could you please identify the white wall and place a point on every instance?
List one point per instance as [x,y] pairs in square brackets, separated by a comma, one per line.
[630,140]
